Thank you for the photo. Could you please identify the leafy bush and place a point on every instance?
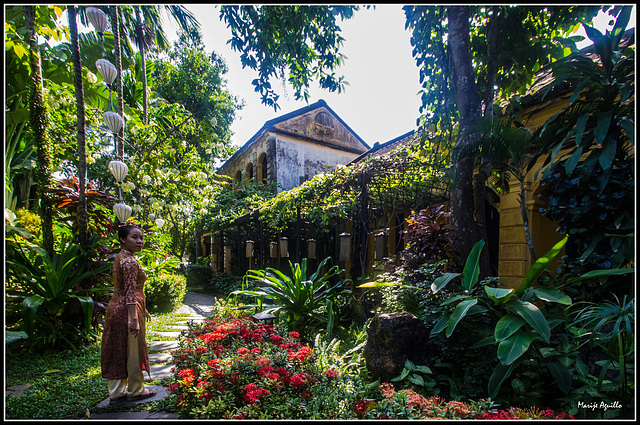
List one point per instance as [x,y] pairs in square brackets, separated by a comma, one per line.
[222,285]
[198,275]
[165,292]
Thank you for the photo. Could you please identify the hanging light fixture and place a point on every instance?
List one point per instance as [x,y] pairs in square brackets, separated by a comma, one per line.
[311,248]
[273,249]
[345,246]
[107,70]
[98,19]
[114,121]
[152,216]
[123,211]
[284,247]
[119,170]
[381,241]
[159,222]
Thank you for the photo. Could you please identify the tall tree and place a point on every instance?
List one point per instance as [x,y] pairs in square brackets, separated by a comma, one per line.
[82,138]
[38,121]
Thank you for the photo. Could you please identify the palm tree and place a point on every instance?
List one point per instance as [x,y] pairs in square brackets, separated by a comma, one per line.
[38,121]
[509,151]
[82,141]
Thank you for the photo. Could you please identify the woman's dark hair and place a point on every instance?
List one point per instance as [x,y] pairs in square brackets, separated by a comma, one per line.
[124,231]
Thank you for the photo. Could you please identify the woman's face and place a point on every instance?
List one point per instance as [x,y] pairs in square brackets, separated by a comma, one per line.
[134,241]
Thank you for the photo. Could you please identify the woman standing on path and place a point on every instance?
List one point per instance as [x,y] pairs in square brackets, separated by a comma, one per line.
[124,348]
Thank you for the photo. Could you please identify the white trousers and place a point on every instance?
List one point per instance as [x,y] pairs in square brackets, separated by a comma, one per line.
[134,384]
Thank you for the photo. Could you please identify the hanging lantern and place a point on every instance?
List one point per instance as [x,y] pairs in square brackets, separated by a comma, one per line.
[119,170]
[249,249]
[265,318]
[380,245]
[98,19]
[345,246]
[123,211]
[311,248]
[273,249]
[152,217]
[284,247]
[159,222]
[114,121]
[107,70]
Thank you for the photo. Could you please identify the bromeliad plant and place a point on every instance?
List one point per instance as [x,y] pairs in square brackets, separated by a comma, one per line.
[300,299]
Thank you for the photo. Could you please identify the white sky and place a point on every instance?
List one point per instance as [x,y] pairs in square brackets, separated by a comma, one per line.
[381,101]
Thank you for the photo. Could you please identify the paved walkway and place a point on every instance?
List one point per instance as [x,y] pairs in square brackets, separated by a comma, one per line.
[198,306]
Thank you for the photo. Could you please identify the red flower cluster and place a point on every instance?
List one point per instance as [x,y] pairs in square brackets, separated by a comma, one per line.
[331,374]
[254,393]
[360,408]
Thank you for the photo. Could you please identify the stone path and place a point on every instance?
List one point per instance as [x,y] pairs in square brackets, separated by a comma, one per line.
[197,306]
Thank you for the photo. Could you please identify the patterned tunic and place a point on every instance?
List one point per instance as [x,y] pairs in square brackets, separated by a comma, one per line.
[128,282]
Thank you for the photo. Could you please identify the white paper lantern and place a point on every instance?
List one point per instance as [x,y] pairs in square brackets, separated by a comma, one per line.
[123,211]
[119,170]
[107,70]
[114,121]
[152,217]
[159,222]
[97,18]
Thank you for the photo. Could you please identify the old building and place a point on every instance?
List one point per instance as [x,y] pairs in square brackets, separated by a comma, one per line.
[293,148]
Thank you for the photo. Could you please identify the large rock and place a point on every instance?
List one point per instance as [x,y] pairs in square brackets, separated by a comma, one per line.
[392,339]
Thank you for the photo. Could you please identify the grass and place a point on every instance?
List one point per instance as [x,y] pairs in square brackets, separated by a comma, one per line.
[74,377]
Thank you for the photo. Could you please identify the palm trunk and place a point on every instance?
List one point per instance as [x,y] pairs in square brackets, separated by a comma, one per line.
[115,26]
[82,142]
[38,122]
[143,60]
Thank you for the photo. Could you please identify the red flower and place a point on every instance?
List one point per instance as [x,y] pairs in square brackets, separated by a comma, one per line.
[201,350]
[171,388]
[276,339]
[214,363]
[294,335]
[242,350]
[360,408]
[331,374]
[184,373]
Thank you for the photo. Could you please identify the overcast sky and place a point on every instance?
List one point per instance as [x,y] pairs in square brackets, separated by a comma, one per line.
[381,101]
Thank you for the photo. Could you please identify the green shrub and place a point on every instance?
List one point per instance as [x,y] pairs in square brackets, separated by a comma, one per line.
[222,285]
[198,275]
[165,292]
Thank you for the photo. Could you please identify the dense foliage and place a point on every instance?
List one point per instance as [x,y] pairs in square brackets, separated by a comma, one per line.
[165,292]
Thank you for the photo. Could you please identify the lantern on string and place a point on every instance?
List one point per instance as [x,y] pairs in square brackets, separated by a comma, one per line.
[114,121]
[123,211]
[119,170]
[107,70]
[381,241]
[345,246]
[98,19]
[249,249]
[284,247]
[311,248]
[159,222]
[152,217]
[273,249]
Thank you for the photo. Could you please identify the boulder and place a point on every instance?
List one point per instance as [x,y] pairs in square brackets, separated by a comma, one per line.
[391,339]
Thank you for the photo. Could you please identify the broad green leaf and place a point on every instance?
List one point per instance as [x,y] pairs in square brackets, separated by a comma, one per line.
[552,295]
[608,153]
[581,123]
[12,336]
[440,325]
[573,160]
[500,373]
[459,312]
[471,269]
[423,369]
[561,375]
[441,281]
[629,129]
[409,365]
[499,294]
[377,284]
[402,375]
[604,121]
[488,340]
[601,273]
[540,266]
[515,346]
[416,379]
[454,299]
[507,326]
[533,316]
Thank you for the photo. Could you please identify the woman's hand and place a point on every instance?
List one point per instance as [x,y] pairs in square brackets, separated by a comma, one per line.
[134,327]
[148,315]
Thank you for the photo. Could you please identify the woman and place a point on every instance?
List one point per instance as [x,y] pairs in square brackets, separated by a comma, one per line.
[124,349]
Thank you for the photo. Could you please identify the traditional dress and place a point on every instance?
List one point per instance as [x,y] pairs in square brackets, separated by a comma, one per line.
[123,356]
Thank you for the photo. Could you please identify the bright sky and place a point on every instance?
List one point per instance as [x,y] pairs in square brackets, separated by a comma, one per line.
[381,101]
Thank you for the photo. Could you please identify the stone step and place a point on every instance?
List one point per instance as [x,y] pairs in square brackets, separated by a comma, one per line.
[179,327]
[160,357]
[162,393]
[162,345]
[173,335]
[159,371]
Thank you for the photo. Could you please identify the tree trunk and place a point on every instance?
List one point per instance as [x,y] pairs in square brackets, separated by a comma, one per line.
[470,109]
[141,46]
[115,26]
[82,142]
[38,122]
[525,221]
